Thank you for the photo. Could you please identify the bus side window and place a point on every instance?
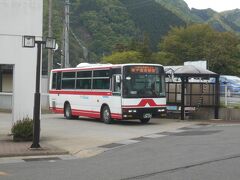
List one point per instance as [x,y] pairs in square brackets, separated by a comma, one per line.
[54,81]
[59,80]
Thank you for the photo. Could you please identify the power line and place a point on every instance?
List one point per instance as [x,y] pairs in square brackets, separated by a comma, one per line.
[85,50]
[18,35]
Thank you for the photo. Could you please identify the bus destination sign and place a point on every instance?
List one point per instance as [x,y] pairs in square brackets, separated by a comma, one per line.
[143,69]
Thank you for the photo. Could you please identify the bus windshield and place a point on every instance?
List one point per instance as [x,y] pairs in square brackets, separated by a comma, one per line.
[143,83]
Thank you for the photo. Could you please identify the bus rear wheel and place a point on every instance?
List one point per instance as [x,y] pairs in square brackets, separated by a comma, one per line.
[106,115]
[144,120]
[68,112]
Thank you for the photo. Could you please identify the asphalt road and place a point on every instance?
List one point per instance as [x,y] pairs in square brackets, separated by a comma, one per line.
[205,153]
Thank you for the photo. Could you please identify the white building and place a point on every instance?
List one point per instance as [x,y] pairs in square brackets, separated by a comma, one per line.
[18,18]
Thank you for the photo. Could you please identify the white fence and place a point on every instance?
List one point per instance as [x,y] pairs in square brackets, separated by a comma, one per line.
[229,97]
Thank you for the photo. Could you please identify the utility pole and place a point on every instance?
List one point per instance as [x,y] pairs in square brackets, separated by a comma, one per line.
[66,34]
[50,51]
[62,47]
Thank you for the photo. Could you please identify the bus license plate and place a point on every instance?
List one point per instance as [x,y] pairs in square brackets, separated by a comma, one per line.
[148,115]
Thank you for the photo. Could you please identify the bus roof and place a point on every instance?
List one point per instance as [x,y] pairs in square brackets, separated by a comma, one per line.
[87,66]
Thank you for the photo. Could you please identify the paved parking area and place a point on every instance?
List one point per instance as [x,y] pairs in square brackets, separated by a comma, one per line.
[83,136]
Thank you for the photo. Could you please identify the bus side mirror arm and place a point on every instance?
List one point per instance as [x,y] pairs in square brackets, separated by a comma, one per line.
[118,79]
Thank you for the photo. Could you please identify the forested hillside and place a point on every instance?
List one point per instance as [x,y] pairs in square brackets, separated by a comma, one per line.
[151,18]
[105,26]
[181,9]
[224,21]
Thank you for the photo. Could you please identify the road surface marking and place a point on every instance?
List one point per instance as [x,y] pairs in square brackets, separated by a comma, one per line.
[3,173]
[154,136]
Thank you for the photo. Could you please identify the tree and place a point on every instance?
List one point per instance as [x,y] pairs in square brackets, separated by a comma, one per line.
[123,57]
[164,58]
[201,42]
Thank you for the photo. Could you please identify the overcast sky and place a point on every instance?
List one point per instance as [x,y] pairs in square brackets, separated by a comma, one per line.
[217,5]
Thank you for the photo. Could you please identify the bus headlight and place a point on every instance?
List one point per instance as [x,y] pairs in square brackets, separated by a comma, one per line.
[132,111]
[161,110]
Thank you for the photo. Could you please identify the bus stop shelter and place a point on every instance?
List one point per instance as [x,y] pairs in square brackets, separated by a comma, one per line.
[189,88]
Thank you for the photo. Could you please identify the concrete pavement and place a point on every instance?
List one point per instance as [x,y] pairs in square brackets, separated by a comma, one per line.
[81,137]
[8,148]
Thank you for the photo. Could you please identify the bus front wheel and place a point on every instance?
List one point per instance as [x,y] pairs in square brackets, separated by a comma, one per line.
[144,120]
[106,115]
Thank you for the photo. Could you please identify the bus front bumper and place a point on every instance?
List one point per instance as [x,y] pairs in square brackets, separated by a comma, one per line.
[139,113]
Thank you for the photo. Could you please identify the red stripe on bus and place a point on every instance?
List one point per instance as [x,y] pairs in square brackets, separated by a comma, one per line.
[116,116]
[143,103]
[57,110]
[86,113]
[137,106]
[94,93]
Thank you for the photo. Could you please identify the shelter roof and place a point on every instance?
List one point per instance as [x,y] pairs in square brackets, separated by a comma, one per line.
[189,71]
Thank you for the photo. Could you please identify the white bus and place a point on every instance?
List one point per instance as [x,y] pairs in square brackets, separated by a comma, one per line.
[109,92]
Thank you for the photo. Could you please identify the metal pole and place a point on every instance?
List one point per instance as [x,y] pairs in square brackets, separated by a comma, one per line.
[63,48]
[183,98]
[217,97]
[66,24]
[1,73]
[36,113]
[50,51]
[225,94]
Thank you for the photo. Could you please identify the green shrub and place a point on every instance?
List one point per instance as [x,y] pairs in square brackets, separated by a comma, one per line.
[22,130]
[237,106]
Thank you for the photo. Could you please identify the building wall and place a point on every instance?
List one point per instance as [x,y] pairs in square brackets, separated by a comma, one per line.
[18,18]
[6,94]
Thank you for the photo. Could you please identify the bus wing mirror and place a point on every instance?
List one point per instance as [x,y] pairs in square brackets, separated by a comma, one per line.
[118,79]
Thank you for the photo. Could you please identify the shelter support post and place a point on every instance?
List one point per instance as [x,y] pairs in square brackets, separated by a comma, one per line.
[1,77]
[216,107]
[182,98]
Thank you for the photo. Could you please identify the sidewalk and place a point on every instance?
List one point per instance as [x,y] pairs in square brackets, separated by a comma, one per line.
[8,148]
